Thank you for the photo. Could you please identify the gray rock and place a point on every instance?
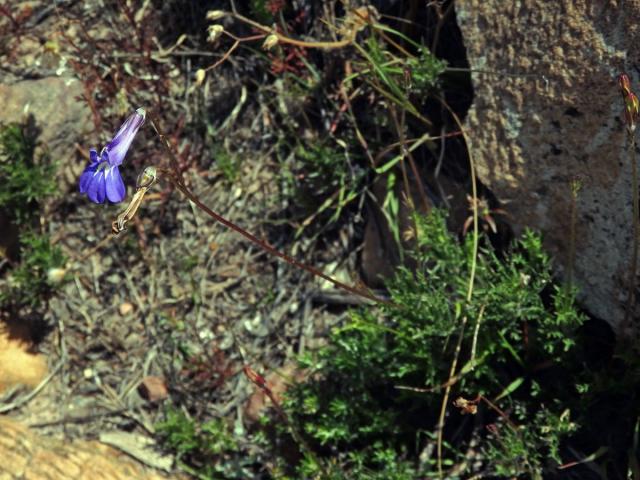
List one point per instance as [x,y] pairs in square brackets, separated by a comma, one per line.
[559,118]
[63,119]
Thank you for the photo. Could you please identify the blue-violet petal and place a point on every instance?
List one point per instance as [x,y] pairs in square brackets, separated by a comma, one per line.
[96,189]
[117,148]
[114,185]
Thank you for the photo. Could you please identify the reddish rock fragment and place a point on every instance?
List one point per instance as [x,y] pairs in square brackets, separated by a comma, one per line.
[153,389]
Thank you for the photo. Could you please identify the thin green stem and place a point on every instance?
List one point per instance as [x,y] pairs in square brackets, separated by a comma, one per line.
[470,286]
[574,185]
[631,296]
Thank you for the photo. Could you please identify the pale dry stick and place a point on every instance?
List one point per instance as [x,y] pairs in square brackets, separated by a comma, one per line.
[472,277]
[631,296]
[474,343]
[78,418]
[436,172]
[236,44]
[118,401]
[298,43]
[447,391]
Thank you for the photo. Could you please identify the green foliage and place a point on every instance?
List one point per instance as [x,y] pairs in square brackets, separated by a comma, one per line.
[205,451]
[322,181]
[352,401]
[376,463]
[424,69]
[227,162]
[322,170]
[24,180]
[29,283]
[259,11]
[523,450]
[396,76]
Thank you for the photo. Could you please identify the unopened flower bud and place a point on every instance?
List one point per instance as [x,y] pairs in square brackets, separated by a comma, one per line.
[200,75]
[215,31]
[624,83]
[55,276]
[215,14]
[270,42]
[631,111]
[148,176]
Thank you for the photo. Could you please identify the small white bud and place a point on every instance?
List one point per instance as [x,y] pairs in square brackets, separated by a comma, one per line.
[215,14]
[147,177]
[200,75]
[270,42]
[215,31]
[55,276]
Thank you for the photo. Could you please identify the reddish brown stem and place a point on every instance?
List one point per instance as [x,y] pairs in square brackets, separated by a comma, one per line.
[264,245]
[174,176]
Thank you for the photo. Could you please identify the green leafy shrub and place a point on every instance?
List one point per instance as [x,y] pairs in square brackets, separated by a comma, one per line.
[425,70]
[24,180]
[206,450]
[376,387]
[524,449]
[30,282]
[323,172]
[320,180]
[229,163]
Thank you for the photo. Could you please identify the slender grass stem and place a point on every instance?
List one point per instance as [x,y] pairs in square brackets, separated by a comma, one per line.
[470,287]
[631,296]
[572,233]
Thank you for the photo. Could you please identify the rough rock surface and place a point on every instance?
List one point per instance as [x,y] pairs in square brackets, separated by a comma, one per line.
[19,365]
[547,110]
[27,455]
[60,117]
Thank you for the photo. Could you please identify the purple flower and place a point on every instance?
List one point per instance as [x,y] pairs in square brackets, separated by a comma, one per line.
[101,178]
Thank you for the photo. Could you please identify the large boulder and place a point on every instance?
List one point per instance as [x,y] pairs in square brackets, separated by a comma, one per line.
[28,455]
[547,110]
